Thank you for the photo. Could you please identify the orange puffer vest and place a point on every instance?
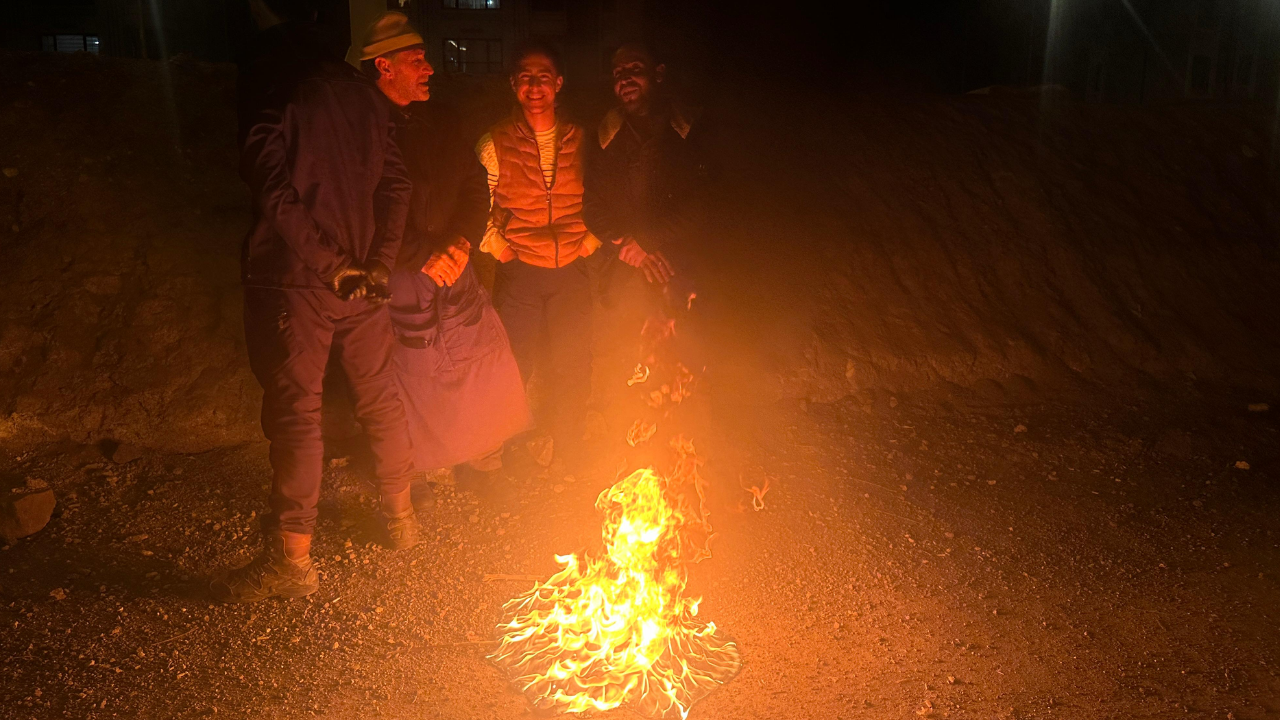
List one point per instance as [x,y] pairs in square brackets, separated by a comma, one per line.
[543,225]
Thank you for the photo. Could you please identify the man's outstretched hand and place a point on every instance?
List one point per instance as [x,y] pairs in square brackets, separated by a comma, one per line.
[657,269]
[655,266]
[445,267]
[630,252]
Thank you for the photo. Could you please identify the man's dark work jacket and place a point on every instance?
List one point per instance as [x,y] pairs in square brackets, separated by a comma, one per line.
[645,179]
[328,183]
[450,194]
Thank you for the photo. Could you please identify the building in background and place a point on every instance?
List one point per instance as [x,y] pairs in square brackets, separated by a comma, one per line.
[1138,51]
[125,28]
[476,37]
[212,30]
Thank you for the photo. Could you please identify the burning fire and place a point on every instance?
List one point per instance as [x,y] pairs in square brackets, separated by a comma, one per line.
[618,629]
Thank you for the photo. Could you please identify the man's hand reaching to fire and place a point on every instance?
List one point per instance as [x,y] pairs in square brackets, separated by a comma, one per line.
[630,252]
[445,267]
[657,269]
[655,266]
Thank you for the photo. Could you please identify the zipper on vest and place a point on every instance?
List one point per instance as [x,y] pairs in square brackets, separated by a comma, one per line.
[555,237]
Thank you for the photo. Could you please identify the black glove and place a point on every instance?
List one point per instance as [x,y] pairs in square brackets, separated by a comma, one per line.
[377,275]
[348,282]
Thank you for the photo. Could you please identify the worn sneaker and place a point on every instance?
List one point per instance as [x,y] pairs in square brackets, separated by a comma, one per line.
[270,574]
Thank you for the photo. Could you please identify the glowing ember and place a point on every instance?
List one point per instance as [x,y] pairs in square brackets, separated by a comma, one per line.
[640,432]
[757,494]
[618,629]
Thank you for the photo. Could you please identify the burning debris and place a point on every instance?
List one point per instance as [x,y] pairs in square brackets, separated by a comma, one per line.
[618,629]
[757,494]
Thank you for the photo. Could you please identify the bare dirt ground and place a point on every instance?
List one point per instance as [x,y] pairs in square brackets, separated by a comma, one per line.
[995,363]
[917,556]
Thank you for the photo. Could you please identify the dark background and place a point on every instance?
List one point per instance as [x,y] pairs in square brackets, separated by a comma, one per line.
[1122,51]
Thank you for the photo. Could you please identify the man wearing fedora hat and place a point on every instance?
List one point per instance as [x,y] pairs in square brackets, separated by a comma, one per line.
[330,195]
[460,384]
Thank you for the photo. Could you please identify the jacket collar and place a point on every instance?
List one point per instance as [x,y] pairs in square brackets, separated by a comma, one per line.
[681,122]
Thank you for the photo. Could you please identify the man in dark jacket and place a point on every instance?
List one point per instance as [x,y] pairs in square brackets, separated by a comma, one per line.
[643,195]
[459,381]
[330,195]
[643,185]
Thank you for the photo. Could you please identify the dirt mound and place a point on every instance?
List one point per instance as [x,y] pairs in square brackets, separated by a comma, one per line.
[1007,242]
[121,226]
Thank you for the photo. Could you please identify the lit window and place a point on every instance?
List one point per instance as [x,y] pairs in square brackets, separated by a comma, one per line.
[473,55]
[70,43]
[473,4]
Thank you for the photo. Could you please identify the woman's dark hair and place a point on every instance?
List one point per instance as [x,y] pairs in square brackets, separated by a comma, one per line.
[536,47]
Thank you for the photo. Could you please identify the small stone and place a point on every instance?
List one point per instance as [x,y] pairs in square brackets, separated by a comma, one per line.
[991,482]
[542,450]
[58,594]
[25,513]
[1259,407]
[474,519]
[1020,428]
[558,488]
[1242,465]
[893,402]
[11,172]
[339,462]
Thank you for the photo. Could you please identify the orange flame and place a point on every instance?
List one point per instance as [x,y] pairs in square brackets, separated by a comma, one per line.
[618,628]
[640,432]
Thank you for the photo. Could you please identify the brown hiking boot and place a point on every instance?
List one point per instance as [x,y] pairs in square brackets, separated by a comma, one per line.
[400,521]
[273,573]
